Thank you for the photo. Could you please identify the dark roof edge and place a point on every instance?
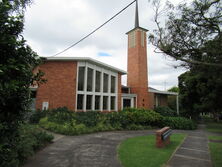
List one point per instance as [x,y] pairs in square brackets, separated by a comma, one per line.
[137,28]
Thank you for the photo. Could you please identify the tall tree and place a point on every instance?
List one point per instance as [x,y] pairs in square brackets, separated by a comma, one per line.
[17,62]
[192,34]
[187,31]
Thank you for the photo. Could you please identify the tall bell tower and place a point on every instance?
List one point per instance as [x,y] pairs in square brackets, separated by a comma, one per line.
[137,78]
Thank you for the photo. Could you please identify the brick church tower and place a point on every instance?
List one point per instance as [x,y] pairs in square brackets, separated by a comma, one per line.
[137,78]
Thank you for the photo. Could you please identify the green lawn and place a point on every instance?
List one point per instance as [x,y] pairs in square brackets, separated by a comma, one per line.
[214,127]
[215,137]
[216,151]
[142,152]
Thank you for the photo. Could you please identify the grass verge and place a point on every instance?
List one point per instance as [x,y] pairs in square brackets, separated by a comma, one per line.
[215,127]
[142,152]
[216,151]
[215,138]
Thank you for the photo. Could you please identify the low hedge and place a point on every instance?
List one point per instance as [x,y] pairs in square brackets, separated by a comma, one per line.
[165,111]
[179,123]
[67,122]
[129,116]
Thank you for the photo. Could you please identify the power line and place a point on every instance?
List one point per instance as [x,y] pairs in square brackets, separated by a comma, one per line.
[93,30]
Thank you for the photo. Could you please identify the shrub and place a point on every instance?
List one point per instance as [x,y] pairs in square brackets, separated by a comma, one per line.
[179,123]
[89,118]
[60,115]
[165,111]
[30,139]
[67,128]
[131,116]
[35,116]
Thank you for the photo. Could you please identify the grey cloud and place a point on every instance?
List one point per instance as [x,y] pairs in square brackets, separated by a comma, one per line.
[52,26]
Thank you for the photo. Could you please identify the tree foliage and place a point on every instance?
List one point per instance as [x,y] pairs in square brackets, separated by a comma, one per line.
[174,89]
[16,66]
[201,91]
[188,31]
[192,34]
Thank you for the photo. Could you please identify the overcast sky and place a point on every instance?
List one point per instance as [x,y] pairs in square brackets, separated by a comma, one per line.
[53,25]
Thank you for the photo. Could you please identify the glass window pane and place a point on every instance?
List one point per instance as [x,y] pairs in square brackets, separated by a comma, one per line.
[80,102]
[98,81]
[89,79]
[89,102]
[113,84]
[97,102]
[81,78]
[105,82]
[105,102]
[126,103]
[113,103]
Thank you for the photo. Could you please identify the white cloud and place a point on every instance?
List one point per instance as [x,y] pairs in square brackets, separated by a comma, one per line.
[53,25]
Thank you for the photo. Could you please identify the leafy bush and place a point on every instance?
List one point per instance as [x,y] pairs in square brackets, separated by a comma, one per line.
[141,117]
[165,111]
[37,115]
[179,123]
[89,118]
[66,122]
[29,139]
[67,128]
[60,115]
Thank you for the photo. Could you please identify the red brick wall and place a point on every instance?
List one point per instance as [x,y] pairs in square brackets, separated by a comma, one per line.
[137,78]
[60,88]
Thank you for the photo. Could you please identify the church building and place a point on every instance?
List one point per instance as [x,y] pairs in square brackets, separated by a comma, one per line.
[85,84]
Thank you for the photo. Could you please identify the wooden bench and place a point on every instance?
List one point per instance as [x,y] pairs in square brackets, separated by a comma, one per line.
[163,137]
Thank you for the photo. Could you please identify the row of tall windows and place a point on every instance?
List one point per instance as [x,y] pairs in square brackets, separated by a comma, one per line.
[100,102]
[97,84]
[96,90]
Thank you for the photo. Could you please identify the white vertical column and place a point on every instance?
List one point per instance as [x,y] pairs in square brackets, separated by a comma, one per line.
[93,88]
[101,91]
[117,91]
[109,92]
[132,102]
[85,87]
[77,81]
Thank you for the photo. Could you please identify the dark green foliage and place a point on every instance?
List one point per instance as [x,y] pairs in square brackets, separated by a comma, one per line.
[90,118]
[16,66]
[174,89]
[133,116]
[30,139]
[193,35]
[172,102]
[66,128]
[60,115]
[179,123]
[165,111]
[36,116]
[200,90]
[188,29]
[63,121]
[74,123]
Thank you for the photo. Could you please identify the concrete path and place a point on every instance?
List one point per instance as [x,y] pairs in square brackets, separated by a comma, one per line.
[93,150]
[193,152]
[100,150]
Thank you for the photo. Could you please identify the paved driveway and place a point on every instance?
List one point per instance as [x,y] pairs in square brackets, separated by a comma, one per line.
[93,150]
